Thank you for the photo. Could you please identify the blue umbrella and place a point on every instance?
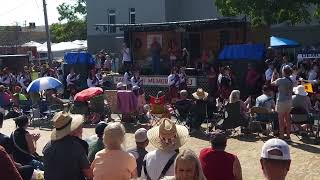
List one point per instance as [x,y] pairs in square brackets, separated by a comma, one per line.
[43,83]
[276,42]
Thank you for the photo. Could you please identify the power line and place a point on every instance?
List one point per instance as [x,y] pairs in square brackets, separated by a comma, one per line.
[37,4]
[10,11]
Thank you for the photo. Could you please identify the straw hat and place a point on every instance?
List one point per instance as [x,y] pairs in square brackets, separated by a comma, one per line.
[168,136]
[65,123]
[300,90]
[200,94]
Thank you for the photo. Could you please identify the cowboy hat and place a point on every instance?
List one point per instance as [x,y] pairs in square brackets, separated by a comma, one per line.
[65,123]
[168,136]
[200,94]
[300,90]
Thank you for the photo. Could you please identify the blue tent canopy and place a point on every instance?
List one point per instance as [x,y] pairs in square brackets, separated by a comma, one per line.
[276,42]
[242,52]
[78,58]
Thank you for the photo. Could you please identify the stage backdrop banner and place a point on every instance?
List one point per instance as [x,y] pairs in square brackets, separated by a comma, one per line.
[156,81]
[151,37]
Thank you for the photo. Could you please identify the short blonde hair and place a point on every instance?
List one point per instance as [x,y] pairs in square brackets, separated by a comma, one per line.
[190,156]
[114,134]
[234,96]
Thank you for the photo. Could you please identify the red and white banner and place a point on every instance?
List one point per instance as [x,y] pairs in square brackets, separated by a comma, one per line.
[156,81]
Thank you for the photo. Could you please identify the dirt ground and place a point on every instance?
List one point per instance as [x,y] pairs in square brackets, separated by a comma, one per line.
[305,156]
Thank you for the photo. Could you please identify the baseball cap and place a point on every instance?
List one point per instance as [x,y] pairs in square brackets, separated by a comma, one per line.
[275,144]
[141,135]
[100,128]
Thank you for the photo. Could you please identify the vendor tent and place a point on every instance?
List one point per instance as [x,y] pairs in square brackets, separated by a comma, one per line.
[58,49]
[78,58]
[277,42]
[242,52]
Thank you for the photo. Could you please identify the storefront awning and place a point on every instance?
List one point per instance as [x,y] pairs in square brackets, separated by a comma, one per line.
[242,52]
[277,42]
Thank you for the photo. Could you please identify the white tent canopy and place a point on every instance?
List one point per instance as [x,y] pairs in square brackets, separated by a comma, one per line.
[58,49]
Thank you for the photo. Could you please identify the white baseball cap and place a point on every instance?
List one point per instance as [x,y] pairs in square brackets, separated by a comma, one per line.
[275,144]
[141,135]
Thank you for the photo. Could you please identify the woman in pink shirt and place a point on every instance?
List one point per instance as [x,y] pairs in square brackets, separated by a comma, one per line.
[112,162]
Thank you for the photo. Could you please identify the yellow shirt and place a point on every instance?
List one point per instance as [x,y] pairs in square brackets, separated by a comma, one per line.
[34,75]
[113,165]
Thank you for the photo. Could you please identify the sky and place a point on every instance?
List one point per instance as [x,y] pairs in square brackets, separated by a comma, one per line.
[21,11]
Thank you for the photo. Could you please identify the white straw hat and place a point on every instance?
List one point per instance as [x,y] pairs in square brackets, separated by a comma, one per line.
[168,136]
[65,123]
[300,90]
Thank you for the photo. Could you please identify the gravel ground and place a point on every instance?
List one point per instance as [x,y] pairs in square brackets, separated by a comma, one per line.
[305,156]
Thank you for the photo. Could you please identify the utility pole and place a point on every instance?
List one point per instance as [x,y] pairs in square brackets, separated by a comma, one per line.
[47,31]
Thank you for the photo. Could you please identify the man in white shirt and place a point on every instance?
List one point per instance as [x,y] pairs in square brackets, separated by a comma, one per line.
[72,78]
[126,57]
[269,72]
[167,138]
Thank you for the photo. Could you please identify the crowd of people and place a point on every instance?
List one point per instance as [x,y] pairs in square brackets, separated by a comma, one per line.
[69,155]
[279,90]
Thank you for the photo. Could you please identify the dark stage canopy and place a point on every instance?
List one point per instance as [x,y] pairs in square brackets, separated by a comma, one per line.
[178,26]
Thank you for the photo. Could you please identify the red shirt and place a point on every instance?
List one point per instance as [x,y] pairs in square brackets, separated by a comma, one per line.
[252,77]
[7,167]
[217,165]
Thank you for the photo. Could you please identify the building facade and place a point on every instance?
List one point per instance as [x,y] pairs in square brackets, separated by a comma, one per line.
[139,11]
[155,11]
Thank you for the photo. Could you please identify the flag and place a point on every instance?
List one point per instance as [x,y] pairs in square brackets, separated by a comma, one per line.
[308,88]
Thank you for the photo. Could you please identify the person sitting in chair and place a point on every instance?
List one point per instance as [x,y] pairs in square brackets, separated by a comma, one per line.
[266,101]
[184,105]
[199,109]
[237,112]
[301,104]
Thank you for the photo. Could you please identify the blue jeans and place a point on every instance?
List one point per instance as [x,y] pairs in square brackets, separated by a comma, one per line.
[37,164]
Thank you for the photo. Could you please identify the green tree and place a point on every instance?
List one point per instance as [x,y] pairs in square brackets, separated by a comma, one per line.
[73,22]
[268,12]
[70,31]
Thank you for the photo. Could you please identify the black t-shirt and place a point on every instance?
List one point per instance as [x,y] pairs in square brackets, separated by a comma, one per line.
[20,147]
[65,159]
[6,143]
[184,107]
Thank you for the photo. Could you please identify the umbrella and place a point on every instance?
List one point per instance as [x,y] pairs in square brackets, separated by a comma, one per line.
[43,83]
[86,94]
[276,42]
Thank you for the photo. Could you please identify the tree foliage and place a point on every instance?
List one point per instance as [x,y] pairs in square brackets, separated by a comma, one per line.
[70,31]
[268,12]
[71,12]
[73,22]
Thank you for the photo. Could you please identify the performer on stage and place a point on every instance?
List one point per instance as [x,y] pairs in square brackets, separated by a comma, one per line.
[183,79]
[92,80]
[173,82]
